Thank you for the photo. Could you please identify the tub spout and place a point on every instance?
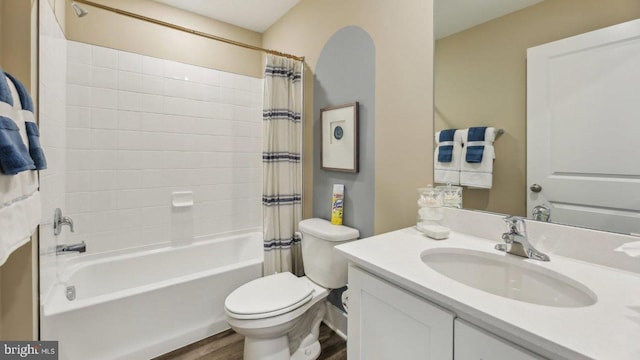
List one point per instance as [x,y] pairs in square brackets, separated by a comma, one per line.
[80,247]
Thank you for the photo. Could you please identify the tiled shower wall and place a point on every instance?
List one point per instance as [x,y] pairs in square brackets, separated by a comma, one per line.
[140,128]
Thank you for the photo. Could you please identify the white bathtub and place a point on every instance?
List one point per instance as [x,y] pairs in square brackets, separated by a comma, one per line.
[149,302]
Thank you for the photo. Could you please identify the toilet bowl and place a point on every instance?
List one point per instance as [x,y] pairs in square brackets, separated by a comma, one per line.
[280,314]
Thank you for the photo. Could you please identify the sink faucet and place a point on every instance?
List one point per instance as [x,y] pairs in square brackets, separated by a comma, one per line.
[80,247]
[516,241]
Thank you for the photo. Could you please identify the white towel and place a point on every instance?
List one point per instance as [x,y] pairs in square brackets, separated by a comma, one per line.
[20,207]
[478,175]
[448,173]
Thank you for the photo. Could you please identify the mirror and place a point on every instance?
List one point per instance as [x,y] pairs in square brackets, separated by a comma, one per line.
[480,75]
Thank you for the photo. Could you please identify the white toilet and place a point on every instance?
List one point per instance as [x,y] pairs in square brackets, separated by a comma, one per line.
[280,314]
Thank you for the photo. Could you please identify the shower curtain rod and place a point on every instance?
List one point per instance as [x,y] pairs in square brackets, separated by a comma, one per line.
[187,30]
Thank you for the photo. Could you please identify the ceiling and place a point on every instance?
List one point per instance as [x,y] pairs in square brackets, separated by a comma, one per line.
[256,15]
[451,16]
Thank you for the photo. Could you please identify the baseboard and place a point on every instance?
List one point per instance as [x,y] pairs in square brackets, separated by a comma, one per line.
[336,320]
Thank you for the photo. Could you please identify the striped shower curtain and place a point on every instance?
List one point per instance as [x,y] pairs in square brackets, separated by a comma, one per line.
[282,170]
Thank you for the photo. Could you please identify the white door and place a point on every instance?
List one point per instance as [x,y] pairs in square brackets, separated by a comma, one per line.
[388,323]
[583,128]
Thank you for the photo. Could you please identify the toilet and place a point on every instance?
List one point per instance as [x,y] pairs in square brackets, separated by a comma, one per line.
[280,314]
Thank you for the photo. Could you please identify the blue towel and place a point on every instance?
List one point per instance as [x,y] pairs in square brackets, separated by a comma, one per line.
[35,149]
[5,92]
[33,134]
[445,152]
[14,156]
[474,153]
[25,98]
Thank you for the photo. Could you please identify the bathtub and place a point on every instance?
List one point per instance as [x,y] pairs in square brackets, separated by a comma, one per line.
[147,302]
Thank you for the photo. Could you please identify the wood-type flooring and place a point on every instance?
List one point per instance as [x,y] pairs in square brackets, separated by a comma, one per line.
[229,345]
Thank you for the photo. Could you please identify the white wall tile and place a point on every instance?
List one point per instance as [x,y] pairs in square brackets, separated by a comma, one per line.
[152,66]
[211,77]
[78,95]
[78,116]
[129,120]
[78,52]
[104,118]
[102,139]
[78,74]
[103,159]
[77,181]
[129,62]
[129,81]
[129,101]
[210,93]
[103,200]
[104,77]
[129,140]
[104,98]
[152,103]
[78,138]
[227,79]
[152,84]
[104,57]
[129,179]
[104,180]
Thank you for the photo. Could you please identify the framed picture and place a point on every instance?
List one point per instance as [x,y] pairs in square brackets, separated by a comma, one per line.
[339,138]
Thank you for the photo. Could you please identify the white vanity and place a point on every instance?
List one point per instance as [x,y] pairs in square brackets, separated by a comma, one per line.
[412,297]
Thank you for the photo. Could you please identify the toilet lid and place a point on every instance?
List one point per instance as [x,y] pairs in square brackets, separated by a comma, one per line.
[269,296]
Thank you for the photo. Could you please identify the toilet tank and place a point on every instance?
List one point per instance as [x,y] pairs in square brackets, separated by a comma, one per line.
[322,263]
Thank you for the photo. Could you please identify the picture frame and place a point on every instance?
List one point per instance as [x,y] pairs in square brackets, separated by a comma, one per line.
[339,138]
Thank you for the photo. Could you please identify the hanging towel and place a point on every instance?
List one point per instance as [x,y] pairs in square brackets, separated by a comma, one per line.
[475,147]
[447,172]
[20,207]
[476,168]
[33,134]
[14,155]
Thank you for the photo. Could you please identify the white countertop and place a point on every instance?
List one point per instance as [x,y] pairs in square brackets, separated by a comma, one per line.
[609,329]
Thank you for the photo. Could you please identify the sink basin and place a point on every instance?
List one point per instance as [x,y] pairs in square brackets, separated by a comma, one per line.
[509,276]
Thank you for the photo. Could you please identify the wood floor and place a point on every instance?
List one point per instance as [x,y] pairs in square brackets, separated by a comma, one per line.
[229,346]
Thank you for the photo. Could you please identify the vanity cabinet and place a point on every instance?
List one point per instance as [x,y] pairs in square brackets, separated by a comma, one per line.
[474,343]
[386,322]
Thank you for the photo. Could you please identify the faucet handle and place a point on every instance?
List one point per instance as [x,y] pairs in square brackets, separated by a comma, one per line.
[67,221]
[59,220]
[513,223]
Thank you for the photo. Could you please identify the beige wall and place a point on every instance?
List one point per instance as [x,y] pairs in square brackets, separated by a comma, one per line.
[59,9]
[480,78]
[403,38]
[18,297]
[111,30]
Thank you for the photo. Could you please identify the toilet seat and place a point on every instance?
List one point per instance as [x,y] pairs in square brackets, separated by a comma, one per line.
[269,296]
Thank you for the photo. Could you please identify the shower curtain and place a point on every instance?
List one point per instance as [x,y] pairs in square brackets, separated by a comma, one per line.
[282,169]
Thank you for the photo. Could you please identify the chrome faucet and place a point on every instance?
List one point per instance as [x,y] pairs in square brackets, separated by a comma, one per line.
[541,213]
[516,241]
[80,248]
[59,221]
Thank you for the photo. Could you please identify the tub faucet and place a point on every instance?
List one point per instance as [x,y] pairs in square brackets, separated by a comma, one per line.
[517,242]
[80,248]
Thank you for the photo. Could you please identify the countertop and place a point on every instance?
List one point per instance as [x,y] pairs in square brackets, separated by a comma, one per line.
[609,329]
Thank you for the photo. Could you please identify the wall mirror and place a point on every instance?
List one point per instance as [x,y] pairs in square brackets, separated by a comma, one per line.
[481,80]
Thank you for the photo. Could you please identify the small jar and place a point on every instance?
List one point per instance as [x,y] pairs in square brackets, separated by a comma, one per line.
[429,204]
[451,196]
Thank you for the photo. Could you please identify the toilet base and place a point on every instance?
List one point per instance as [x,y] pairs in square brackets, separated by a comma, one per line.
[310,352]
[266,349]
